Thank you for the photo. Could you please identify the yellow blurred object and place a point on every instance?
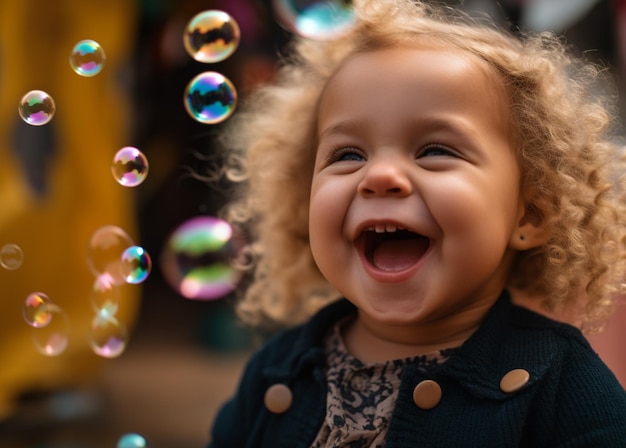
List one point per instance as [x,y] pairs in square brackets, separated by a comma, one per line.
[78,193]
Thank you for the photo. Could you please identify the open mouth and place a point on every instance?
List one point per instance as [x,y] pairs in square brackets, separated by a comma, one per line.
[392,250]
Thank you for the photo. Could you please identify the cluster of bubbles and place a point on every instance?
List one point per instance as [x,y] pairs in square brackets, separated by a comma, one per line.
[49,322]
[315,19]
[37,107]
[115,260]
[209,37]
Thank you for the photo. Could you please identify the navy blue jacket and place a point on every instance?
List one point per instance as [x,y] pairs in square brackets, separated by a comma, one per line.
[571,399]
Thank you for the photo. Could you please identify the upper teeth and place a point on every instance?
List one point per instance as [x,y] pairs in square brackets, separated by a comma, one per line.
[381,228]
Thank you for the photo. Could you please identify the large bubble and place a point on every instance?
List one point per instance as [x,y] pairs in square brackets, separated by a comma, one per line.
[37,108]
[211,36]
[210,98]
[315,19]
[197,260]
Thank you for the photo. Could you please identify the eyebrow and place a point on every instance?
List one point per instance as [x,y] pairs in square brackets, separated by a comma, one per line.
[430,124]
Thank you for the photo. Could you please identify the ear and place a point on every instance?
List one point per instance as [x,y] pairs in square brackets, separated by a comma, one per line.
[529,231]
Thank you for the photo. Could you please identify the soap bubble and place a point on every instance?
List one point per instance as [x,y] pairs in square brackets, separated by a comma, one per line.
[104,253]
[210,98]
[211,36]
[36,310]
[129,167]
[108,337]
[87,58]
[52,340]
[132,441]
[105,295]
[37,108]
[136,264]
[196,261]
[315,19]
[11,256]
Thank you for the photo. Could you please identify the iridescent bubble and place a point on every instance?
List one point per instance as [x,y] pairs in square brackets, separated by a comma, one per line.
[197,260]
[129,167]
[108,337]
[104,253]
[210,98]
[132,441]
[52,340]
[37,108]
[105,295]
[11,256]
[136,264]
[36,310]
[315,19]
[87,58]
[211,36]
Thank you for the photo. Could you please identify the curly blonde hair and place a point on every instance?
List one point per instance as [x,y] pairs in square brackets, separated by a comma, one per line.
[561,130]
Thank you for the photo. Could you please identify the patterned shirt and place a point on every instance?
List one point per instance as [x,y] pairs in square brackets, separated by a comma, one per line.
[361,397]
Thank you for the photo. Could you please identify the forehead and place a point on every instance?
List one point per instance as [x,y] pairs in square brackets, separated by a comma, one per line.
[419,79]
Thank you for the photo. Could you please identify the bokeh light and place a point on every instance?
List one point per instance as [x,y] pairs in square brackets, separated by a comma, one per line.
[104,253]
[87,58]
[210,98]
[197,259]
[36,310]
[11,256]
[136,264]
[37,108]
[315,19]
[52,340]
[211,36]
[108,337]
[129,166]
[132,440]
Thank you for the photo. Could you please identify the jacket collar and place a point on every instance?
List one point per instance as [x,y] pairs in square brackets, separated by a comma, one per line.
[510,337]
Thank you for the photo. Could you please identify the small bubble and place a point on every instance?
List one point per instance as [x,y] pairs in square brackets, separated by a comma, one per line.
[129,167]
[132,440]
[87,58]
[211,36]
[36,108]
[315,19]
[36,310]
[11,256]
[108,336]
[52,340]
[196,261]
[136,264]
[210,98]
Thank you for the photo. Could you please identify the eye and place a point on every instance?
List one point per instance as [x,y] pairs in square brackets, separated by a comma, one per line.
[436,149]
[346,154]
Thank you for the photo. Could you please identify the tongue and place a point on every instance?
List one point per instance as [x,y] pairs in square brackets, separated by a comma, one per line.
[397,255]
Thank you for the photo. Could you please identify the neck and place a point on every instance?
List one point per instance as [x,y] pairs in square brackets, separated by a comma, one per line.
[371,341]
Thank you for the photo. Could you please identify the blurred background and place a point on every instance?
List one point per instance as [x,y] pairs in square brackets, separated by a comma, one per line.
[151,357]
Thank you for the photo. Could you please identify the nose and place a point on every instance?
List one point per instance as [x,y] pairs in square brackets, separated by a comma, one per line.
[385,177]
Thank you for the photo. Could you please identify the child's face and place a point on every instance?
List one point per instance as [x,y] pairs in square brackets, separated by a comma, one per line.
[415,194]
